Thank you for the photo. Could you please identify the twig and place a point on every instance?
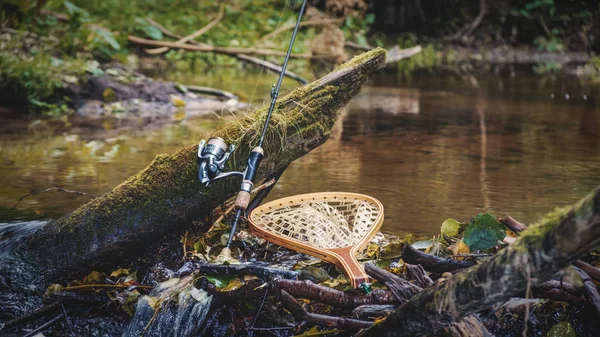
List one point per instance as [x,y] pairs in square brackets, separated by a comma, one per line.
[259,309]
[220,50]
[44,326]
[196,34]
[185,237]
[30,316]
[472,255]
[270,66]
[163,29]
[57,189]
[66,318]
[112,286]
[469,28]
[275,328]
[282,29]
[211,91]
[300,313]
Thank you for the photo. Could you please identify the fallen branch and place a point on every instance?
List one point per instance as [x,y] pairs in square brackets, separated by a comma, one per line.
[45,325]
[196,34]
[106,286]
[590,291]
[418,275]
[212,91]
[219,50]
[333,297]
[433,263]
[265,273]
[396,54]
[46,309]
[590,270]
[543,250]
[300,313]
[401,288]
[263,63]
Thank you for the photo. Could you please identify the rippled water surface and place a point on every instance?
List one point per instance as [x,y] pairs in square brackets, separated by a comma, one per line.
[429,149]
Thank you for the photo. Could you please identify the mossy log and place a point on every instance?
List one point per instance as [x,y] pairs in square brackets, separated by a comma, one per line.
[544,249]
[167,195]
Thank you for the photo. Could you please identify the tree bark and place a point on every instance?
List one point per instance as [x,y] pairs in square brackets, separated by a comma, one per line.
[166,195]
[545,248]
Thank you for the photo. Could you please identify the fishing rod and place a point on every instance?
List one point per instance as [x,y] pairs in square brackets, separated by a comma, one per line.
[214,153]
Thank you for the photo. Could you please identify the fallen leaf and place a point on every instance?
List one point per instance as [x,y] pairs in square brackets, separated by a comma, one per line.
[450,227]
[562,329]
[119,272]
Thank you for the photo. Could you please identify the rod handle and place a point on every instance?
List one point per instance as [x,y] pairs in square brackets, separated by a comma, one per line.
[243,200]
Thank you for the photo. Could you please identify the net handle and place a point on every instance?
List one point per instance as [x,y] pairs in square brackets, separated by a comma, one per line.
[346,259]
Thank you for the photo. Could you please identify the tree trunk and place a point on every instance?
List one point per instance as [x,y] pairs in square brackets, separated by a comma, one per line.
[544,249]
[167,195]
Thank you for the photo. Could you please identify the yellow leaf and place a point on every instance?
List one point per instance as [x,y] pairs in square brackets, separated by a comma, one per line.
[119,272]
[234,284]
[109,95]
[177,101]
[53,288]
[93,277]
[460,247]
[450,227]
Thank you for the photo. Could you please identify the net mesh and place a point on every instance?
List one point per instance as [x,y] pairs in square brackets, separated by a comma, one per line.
[323,224]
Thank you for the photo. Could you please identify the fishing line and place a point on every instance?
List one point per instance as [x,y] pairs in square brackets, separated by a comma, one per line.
[262,69]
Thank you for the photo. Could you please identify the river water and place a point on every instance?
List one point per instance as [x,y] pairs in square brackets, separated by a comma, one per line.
[429,148]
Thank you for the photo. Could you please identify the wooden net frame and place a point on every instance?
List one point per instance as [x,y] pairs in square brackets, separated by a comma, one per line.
[332,226]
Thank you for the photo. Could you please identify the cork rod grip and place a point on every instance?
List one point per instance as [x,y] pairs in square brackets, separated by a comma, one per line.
[243,200]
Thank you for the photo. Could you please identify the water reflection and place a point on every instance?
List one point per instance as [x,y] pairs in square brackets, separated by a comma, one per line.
[429,149]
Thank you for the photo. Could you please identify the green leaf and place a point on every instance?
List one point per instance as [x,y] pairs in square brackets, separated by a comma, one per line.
[562,329]
[450,227]
[108,37]
[76,12]
[483,232]
[220,281]
[149,30]
[153,32]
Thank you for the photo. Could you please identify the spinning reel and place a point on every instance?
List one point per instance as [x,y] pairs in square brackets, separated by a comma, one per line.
[212,156]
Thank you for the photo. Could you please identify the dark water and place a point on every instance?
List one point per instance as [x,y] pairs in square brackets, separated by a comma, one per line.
[429,149]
